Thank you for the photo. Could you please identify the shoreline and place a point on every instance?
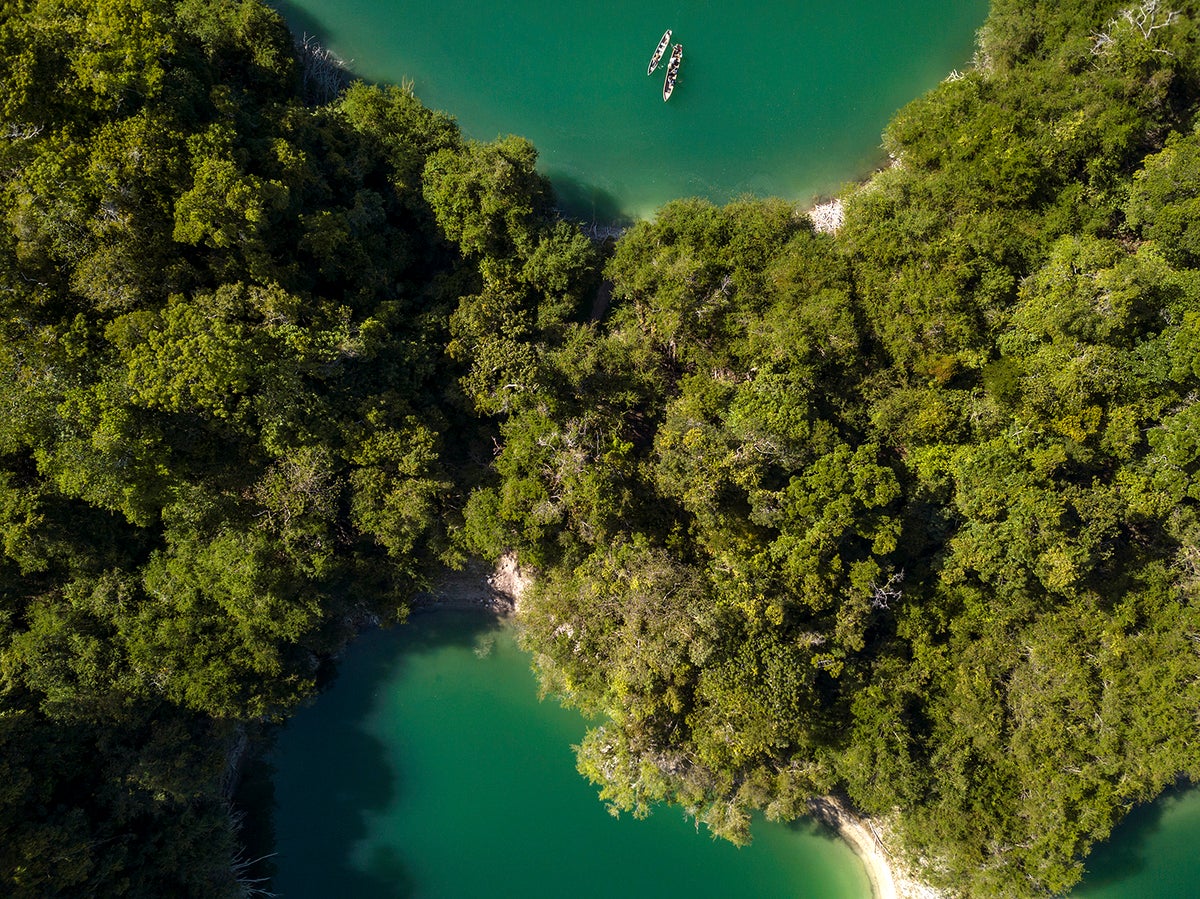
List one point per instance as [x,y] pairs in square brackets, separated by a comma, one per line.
[834,813]
[889,879]
[499,589]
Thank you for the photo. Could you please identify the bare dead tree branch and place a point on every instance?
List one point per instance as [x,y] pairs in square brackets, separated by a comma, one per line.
[882,595]
[1145,20]
[323,74]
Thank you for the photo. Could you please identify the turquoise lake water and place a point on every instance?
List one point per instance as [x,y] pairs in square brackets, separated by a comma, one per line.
[431,771]
[773,98]
[1152,853]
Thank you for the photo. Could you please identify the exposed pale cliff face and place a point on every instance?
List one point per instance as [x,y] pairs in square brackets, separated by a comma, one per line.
[508,581]
[498,590]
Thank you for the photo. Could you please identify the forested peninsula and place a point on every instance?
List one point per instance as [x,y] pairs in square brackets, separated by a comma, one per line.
[904,515]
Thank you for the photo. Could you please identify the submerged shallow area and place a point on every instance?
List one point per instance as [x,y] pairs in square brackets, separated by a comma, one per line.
[430,769]
[773,98]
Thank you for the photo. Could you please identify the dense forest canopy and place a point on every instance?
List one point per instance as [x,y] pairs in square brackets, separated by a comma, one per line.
[906,514]
[232,431]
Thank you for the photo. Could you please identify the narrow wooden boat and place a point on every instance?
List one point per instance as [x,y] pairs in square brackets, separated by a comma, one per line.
[672,71]
[659,51]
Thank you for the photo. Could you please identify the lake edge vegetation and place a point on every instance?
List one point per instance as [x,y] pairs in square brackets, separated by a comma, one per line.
[906,513]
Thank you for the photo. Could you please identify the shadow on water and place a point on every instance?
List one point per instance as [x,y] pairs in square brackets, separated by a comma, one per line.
[300,21]
[253,800]
[813,827]
[335,775]
[586,203]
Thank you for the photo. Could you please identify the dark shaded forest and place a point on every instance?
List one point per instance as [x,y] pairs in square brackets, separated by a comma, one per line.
[906,514]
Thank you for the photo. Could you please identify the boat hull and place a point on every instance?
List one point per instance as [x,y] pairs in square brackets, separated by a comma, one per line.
[672,71]
[658,52]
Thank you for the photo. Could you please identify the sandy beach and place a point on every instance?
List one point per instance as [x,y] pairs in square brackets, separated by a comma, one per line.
[888,881]
[854,831]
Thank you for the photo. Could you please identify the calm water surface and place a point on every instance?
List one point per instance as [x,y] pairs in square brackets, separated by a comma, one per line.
[773,98]
[1152,854]
[430,770]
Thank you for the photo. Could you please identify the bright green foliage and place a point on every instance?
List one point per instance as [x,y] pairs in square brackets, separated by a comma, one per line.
[1164,201]
[485,198]
[218,625]
[225,207]
[531,277]
[397,492]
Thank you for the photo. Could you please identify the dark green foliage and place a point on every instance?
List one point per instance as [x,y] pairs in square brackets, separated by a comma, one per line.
[909,513]
[223,328]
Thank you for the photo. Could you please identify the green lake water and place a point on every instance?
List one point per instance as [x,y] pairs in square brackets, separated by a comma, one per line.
[1152,853]
[430,770]
[774,98]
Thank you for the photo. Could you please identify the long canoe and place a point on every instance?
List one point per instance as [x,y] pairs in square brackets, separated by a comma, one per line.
[672,71]
[659,51]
